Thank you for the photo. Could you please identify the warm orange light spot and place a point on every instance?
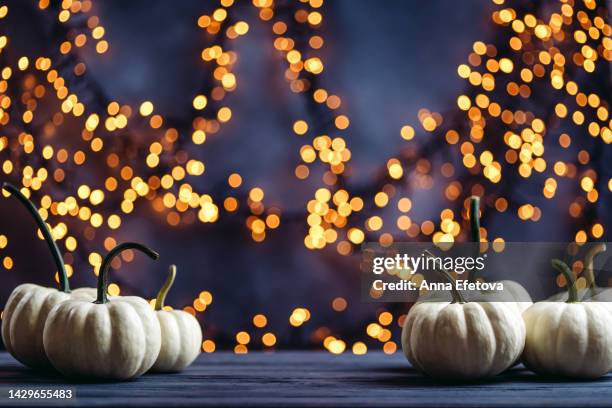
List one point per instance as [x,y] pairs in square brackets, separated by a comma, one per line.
[200,102]
[300,127]
[390,347]
[359,348]
[339,304]
[268,339]
[342,122]
[256,194]
[234,180]
[243,337]
[385,318]
[208,346]
[259,320]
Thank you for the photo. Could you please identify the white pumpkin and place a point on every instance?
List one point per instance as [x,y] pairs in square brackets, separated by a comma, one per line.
[571,339]
[513,291]
[463,340]
[24,319]
[26,309]
[113,339]
[181,335]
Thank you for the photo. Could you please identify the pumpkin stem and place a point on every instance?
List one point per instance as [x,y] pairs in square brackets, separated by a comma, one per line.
[457,296]
[103,275]
[64,285]
[588,261]
[161,296]
[572,293]
[474,216]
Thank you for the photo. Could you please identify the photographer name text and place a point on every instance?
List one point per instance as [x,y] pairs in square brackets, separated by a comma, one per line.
[405,285]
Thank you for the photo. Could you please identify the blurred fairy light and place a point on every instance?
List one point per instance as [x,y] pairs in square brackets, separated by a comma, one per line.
[552,53]
[540,50]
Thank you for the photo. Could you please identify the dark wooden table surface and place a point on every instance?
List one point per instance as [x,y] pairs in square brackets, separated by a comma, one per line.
[306,379]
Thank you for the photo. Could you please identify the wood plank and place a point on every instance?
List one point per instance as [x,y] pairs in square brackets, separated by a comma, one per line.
[310,378]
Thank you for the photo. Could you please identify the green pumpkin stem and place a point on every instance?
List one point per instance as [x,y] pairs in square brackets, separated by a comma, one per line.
[64,285]
[588,263]
[474,216]
[163,292]
[572,293]
[457,296]
[104,268]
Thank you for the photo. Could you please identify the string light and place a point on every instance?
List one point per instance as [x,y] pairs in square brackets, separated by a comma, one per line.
[552,53]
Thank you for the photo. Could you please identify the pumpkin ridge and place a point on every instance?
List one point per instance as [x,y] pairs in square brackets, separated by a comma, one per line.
[562,326]
[412,317]
[194,339]
[9,312]
[143,359]
[24,305]
[115,346]
[113,334]
[420,324]
[590,313]
[608,342]
[493,311]
[430,323]
[540,324]
[48,302]
[96,319]
[586,329]
[527,353]
[479,337]
[455,313]
[553,326]
[55,349]
[65,320]
[117,320]
[469,338]
[144,364]
[595,325]
[76,323]
[197,336]
[407,339]
[555,330]
[182,327]
[491,314]
[109,325]
[169,318]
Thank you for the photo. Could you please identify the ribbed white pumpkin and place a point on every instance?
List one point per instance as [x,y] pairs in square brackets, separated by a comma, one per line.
[572,339]
[28,306]
[114,339]
[117,340]
[513,293]
[463,340]
[24,318]
[181,334]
